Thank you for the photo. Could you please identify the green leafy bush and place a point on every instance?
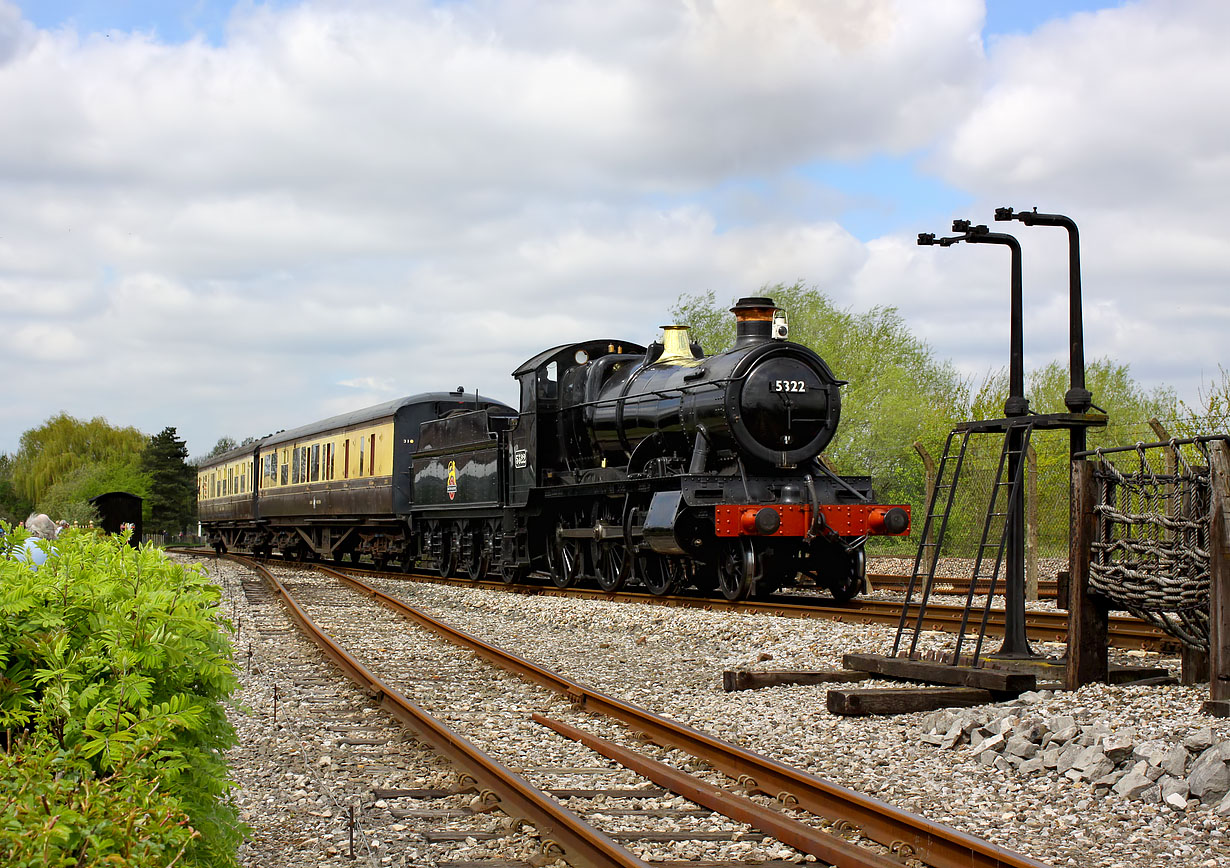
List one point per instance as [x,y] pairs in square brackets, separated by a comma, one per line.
[114,667]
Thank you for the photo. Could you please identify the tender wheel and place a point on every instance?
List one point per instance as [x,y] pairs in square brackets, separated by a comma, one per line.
[406,561]
[479,559]
[736,569]
[660,575]
[446,565]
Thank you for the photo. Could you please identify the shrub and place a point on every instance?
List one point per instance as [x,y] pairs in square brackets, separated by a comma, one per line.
[115,666]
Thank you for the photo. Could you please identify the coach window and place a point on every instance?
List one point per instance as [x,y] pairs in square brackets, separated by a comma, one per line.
[316,462]
[329,449]
[362,453]
[372,463]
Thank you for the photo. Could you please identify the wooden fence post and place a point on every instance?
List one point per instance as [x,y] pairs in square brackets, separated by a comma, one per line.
[1087,613]
[1219,580]
[928,468]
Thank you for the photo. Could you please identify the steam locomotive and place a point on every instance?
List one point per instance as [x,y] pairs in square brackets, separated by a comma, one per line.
[655,465]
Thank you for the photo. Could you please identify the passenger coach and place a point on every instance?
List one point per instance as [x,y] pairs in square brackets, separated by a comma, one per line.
[337,488]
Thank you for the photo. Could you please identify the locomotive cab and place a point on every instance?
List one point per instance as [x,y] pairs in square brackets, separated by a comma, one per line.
[544,440]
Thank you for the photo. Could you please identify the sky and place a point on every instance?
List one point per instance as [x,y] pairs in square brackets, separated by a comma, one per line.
[238,217]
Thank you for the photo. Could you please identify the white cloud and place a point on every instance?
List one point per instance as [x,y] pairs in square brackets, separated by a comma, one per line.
[1114,118]
[344,201]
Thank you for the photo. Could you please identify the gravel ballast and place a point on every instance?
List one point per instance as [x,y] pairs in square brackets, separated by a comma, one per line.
[670,661]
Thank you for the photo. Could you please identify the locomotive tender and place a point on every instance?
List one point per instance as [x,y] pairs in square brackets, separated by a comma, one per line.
[657,465]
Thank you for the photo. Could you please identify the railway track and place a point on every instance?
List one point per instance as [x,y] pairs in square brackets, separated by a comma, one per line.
[419,667]
[1042,626]
[1124,631]
[1048,589]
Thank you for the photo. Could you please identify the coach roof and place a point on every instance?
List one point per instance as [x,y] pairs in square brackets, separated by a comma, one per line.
[352,419]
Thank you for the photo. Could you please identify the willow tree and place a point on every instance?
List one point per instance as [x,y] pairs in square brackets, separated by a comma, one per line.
[62,446]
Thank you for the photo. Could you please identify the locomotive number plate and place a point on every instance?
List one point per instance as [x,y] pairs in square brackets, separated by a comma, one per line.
[789,386]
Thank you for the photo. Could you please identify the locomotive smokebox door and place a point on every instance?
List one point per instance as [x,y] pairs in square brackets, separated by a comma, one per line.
[660,523]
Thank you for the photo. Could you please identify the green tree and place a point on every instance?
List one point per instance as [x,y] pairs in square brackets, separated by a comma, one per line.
[13,507]
[1128,406]
[69,498]
[172,489]
[1210,416]
[62,445]
[897,392]
[225,444]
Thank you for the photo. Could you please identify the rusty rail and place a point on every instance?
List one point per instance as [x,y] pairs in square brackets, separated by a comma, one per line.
[902,832]
[1048,589]
[828,846]
[517,797]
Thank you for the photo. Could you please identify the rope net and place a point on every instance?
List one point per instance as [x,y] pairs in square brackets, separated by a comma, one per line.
[1151,547]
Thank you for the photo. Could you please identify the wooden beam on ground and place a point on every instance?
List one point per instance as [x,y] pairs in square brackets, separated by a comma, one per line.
[903,700]
[1088,614]
[737,680]
[1117,674]
[941,673]
[1219,581]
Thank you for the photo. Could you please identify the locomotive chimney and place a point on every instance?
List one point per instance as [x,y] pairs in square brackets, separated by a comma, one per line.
[676,345]
[753,320]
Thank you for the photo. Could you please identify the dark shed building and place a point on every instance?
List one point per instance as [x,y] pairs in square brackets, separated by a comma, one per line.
[116,508]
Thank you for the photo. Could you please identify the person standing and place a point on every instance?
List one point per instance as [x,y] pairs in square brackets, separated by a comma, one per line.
[37,546]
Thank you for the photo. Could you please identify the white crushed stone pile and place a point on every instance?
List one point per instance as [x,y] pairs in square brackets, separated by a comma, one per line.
[1183,774]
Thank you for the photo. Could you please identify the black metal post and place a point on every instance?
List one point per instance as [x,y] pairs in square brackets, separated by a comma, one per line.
[1016,642]
[1078,399]
[1016,405]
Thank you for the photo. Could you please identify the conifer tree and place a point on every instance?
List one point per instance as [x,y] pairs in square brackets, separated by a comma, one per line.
[172,491]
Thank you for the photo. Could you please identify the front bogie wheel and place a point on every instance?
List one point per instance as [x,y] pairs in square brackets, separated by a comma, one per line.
[736,569]
[849,575]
